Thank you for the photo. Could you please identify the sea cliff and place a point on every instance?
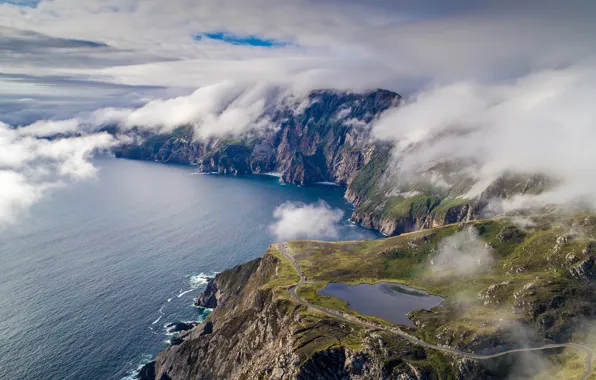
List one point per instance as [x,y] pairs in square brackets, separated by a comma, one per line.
[537,290]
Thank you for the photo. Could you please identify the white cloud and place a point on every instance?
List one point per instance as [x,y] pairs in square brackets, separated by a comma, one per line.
[30,167]
[16,195]
[542,123]
[225,108]
[306,221]
[68,56]
[462,254]
[47,128]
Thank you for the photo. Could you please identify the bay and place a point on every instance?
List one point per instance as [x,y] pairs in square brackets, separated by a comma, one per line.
[90,277]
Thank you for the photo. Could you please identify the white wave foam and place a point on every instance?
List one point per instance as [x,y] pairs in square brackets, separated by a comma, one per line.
[195,282]
[272,174]
[200,279]
[161,314]
[184,292]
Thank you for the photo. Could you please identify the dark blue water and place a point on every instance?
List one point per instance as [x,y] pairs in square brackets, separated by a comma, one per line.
[389,301]
[86,278]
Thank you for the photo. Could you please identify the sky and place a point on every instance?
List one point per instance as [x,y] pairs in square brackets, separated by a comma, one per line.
[62,57]
[504,84]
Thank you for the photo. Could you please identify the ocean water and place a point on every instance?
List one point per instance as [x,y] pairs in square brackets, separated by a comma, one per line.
[91,276]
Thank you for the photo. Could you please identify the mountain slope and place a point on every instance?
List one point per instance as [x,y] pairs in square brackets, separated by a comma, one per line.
[537,289]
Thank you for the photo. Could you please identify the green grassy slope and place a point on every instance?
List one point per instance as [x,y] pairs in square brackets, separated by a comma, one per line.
[539,285]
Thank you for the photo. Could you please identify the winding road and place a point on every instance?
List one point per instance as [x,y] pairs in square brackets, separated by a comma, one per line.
[284,249]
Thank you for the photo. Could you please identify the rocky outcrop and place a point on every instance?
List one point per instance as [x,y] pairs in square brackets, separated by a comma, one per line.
[395,215]
[208,298]
[249,332]
[176,327]
[585,270]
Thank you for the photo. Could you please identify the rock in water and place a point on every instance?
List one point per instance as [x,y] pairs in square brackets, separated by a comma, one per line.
[147,372]
[180,326]
[208,298]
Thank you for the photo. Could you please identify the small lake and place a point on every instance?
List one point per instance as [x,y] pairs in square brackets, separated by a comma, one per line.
[386,300]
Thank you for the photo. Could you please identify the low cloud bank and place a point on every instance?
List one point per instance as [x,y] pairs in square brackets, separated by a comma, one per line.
[225,108]
[31,165]
[305,221]
[543,123]
[462,254]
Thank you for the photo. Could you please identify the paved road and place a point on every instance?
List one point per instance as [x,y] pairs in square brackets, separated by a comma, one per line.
[285,249]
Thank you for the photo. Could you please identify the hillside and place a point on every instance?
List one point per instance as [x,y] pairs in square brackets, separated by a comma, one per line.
[534,287]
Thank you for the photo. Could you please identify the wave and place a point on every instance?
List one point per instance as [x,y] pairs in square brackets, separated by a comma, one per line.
[184,292]
[195,282]
[161,314]
[200,279]
[271,174]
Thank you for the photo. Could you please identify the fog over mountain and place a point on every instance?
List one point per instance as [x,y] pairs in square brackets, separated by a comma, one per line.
[541,123]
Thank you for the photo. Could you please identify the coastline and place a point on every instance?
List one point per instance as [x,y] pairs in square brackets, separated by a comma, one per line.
[144,368]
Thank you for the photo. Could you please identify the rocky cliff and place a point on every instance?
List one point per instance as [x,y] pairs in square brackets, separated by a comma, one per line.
[325,137]
[538,290]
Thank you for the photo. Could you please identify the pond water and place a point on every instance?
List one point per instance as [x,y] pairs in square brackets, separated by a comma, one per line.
[389,301]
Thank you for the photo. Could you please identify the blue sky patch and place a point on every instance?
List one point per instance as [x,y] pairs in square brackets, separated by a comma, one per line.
[240,40]
[21,3]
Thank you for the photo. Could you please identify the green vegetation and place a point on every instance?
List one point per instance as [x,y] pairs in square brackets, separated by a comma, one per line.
[284,276]
[533,281]
[319,334]
[365,183]
[568,365]
[415,207]
[448,204]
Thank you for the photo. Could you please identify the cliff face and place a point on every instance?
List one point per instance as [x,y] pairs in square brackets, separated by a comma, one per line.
[256,332]
[326,140]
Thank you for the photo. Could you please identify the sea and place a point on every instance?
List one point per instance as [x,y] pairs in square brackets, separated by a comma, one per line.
[92,275]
